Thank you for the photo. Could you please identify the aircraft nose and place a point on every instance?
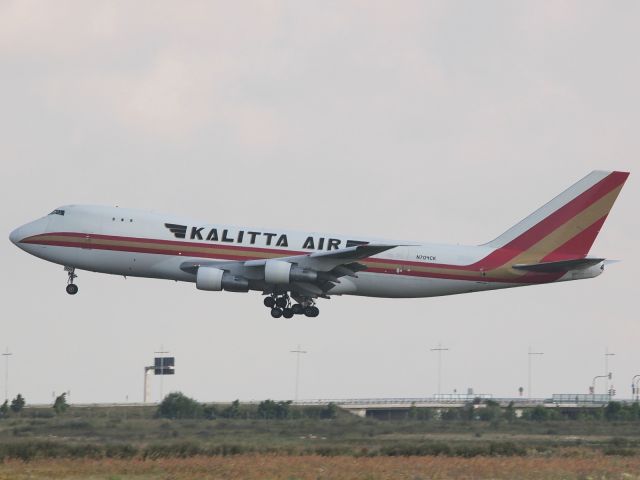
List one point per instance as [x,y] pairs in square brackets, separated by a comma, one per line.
[15,236]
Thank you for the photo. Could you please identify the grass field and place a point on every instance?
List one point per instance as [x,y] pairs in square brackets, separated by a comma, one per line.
[130,443]
[341,467]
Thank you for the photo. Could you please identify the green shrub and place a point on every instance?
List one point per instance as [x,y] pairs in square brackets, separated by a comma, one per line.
[175,450]
[424,449]
[330,411]
[232,411]
[177,405]
[123,451]
[269,409]
[17,404]
[621,452]
[84,451]
[450,414]
[226,449]
[506,449]
[209,412]
[469,451]
[489,413]
[538,414]
[60,405]
[613,411]
[73,424]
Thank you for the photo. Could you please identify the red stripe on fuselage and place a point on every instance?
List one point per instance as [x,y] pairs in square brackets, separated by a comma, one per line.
[177,243]
[528,278]
[256,255]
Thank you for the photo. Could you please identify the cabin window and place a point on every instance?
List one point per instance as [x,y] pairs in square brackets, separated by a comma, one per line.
[57,212]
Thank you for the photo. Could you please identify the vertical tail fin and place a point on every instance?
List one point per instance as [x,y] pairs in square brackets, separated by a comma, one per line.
[567,226]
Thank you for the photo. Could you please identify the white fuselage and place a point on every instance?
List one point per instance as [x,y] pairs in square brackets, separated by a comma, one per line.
[130,242]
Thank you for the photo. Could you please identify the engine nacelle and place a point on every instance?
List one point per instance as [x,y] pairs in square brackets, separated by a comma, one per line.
[276,271]
[214,279]
[279,272]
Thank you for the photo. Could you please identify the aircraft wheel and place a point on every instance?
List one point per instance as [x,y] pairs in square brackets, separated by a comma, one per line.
[309,311]
[281,302]
[72,289]
[298,309]
[269,302]
[316,311]
[276,312]
[287,313]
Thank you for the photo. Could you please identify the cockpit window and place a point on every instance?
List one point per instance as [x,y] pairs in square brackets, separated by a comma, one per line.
[57,212]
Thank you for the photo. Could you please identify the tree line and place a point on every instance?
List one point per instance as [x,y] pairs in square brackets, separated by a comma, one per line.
[16,406]
[491,411]
[176,405]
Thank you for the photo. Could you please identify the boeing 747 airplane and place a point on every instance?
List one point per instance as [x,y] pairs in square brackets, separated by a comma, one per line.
[294,269]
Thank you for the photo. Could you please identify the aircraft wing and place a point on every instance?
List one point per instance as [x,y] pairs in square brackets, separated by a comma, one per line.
[327,261]
[559,266]
[329,265]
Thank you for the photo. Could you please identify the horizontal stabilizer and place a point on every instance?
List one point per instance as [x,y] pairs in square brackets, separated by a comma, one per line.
[560,266]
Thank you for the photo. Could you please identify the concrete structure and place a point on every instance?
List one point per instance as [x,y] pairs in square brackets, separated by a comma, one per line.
[378,406]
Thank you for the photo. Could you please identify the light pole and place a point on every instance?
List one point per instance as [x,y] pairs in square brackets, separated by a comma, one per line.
[593,383]
[6,356]
[606,367]
[162,353]
[634,386]
[439,349]
[145,394]
[530,354]
[298,352]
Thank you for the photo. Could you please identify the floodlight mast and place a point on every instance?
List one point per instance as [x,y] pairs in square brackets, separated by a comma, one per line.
[634,387]
[529,392]
[6,356]
[439,349]
[606,367]
[298,352]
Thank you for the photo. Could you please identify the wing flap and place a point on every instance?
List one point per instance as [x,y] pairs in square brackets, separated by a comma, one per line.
[348,257]
[354,253]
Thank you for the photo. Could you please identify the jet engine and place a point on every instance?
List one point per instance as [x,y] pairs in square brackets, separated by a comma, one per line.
[279,272]
[214,279]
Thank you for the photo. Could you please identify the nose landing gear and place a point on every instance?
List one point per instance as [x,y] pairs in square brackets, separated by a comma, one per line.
[72,288]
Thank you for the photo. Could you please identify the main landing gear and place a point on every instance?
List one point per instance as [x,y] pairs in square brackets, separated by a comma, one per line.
[281,306]
[72,288]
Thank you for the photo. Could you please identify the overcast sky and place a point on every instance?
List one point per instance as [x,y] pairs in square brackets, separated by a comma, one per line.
[435,121]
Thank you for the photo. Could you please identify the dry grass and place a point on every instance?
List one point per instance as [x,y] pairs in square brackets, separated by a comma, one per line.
[317,468]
